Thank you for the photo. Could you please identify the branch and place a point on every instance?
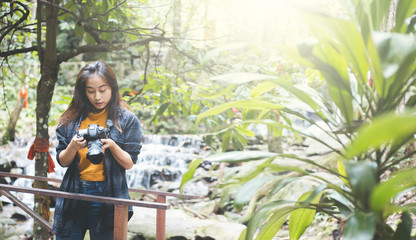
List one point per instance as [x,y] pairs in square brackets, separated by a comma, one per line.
[133,31]
[106,13]
[146,64]
[60,8]
[17,51]
[89,29]
[18,22]
[194,60]
[107,47]
[82,22]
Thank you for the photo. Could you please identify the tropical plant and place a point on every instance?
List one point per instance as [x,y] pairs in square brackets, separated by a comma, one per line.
[367,110]
[165,97]
[90,27]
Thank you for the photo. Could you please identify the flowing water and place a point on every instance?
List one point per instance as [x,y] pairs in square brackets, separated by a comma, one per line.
[163,158]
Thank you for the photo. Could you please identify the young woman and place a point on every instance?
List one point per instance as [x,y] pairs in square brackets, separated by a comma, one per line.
[96,100]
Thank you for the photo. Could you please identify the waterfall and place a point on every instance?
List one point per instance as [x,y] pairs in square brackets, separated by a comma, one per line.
[162,158]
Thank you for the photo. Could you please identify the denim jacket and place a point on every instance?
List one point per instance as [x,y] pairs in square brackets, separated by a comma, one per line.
[115,182]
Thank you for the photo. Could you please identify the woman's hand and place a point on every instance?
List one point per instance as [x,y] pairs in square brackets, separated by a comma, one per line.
[77,143]
[67,156]
[108,143]
[121,156]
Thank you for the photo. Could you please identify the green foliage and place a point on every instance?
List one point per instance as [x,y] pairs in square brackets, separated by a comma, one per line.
[301,218]
[404,229]
[107,16]
[164,98]
[190,173]
[363,106]
[360,225]
[254,101]
[12,78]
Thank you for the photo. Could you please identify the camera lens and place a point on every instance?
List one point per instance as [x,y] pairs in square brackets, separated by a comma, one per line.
[95,152]
[95,158]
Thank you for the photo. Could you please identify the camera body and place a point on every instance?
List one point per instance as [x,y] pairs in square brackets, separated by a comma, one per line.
[92,135]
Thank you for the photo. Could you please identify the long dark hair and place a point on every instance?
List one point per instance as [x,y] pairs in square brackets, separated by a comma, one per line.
[80,105]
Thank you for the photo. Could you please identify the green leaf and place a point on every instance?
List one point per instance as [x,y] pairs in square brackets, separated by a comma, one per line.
[239,139]
[243,234]
[244,104]
[341,53]
[404,228]
[342,171]
[79,31]
[240,156]
[67,98]
[301,218]
[273,224]
[248,189]
[241,77]
[216,94]
[360,226]
[188,175]
[405,9]
[89,39]
[379,11]
[348,43]
[160,111]
[334,70]
[237,143]
[397,54]
[246,173]
[383,130]
[376,70]
[268,122]
[384,193]
[226,138]
[345,206]
[277,208]
[60,102]
[411,102]
[244,131]
[301,95]
[262,88]
[362,179]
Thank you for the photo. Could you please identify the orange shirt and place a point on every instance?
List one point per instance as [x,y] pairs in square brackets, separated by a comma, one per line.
[87,170]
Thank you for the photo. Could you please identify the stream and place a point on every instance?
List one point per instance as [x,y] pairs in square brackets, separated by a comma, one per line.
[163,159]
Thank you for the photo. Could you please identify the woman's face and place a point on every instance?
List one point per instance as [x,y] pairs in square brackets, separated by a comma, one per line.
[98,92]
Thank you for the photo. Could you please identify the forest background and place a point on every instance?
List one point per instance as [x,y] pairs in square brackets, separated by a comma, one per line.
[223,67]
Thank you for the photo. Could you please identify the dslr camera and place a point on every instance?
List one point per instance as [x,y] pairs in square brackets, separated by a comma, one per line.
[93,134]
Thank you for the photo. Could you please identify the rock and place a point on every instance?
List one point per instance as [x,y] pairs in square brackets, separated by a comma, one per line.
[199,188]
[317,148]
[14,237]
[19,217]
[7,222]
[10,227]
[205,208]
[180,225]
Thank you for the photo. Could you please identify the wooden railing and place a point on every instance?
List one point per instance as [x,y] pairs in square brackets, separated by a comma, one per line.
[120,205]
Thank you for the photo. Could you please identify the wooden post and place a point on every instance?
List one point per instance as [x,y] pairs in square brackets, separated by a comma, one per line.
[161,219]
[120,222]
[120,208]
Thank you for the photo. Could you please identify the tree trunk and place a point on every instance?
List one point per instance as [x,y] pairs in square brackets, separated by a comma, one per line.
[46,85]
[274,143]
[10,133]
[391,17]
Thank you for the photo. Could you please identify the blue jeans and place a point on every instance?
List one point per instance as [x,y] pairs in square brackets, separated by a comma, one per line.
[88,215]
